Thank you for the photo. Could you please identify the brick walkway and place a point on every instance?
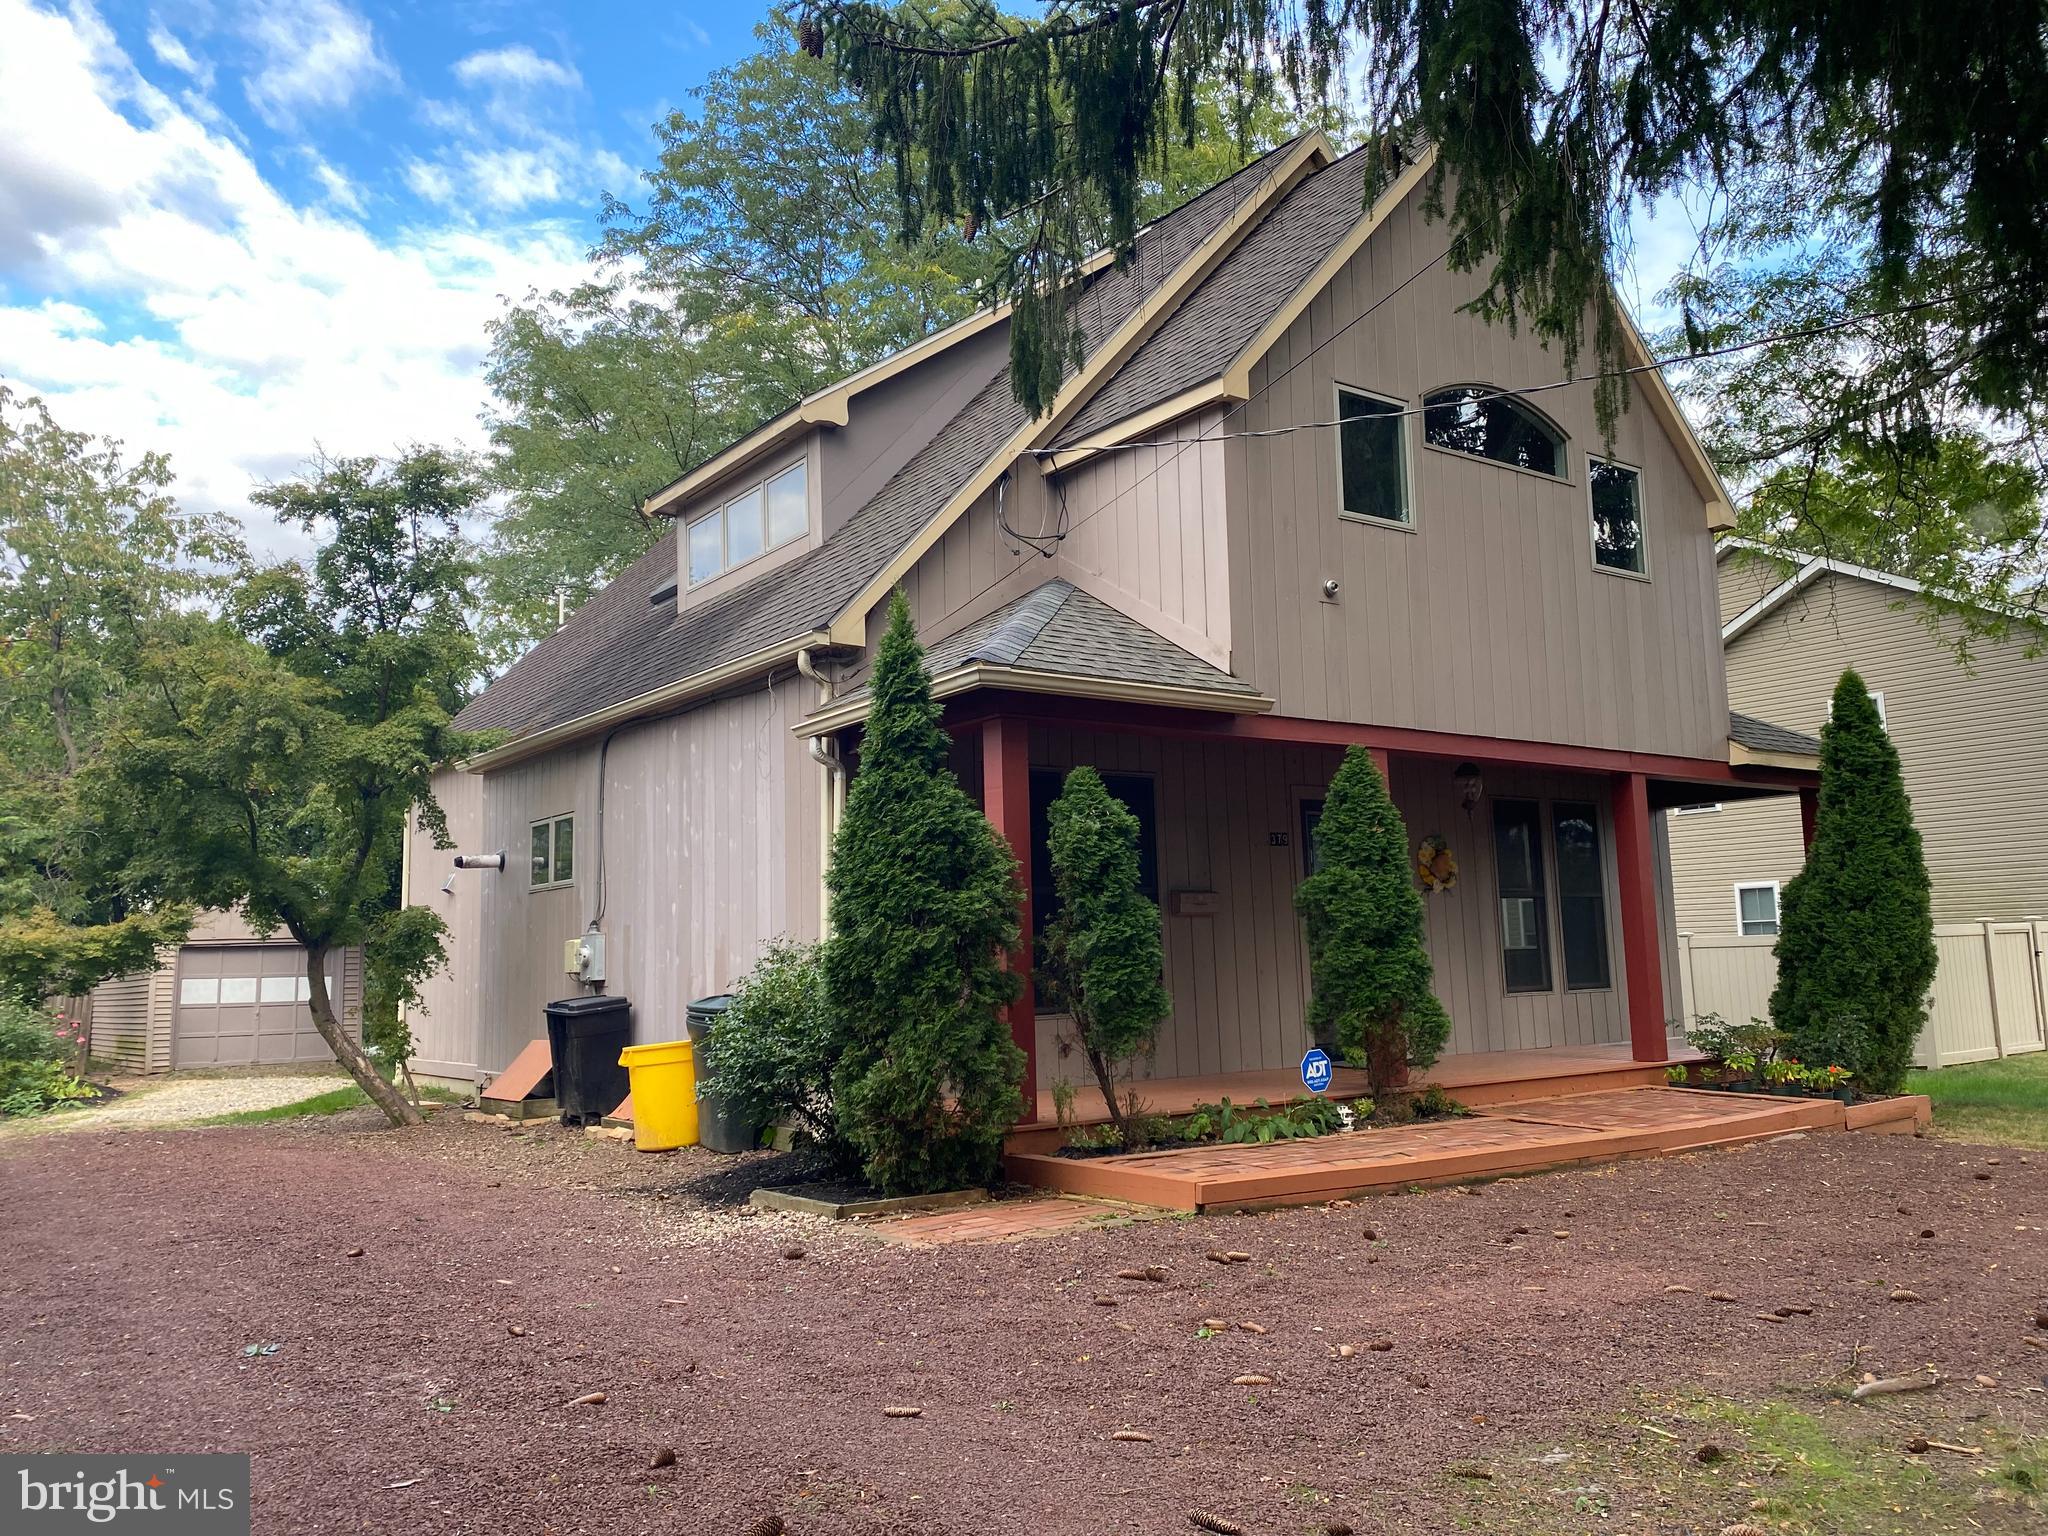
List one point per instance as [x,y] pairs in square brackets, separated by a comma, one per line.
[1002,1220]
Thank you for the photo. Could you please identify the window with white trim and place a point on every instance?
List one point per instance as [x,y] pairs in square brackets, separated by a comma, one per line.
[1756,908]
[1372,457]
[1615,492]
[763,517]
[1704,808]
[554,853]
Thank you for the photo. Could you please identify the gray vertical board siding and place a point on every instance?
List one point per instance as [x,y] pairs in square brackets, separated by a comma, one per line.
[1973,742]
[444,1021]
[710,850]
[1490,617]
[1239,979]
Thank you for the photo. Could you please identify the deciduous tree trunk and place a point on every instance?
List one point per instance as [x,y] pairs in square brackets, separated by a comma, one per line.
[346,1051]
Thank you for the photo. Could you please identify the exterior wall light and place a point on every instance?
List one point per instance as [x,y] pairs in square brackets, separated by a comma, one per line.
[1470,784]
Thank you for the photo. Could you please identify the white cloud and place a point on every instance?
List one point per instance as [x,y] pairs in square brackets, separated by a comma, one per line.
[313,55]
[154,286]
[170,51]
[518,66]
[335,186]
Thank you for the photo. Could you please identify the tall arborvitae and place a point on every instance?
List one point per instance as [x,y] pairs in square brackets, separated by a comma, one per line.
[924,902]
[1369,970]
[1103,954]
[1856,925]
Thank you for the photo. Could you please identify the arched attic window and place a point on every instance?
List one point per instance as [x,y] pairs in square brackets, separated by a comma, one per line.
[1475,419]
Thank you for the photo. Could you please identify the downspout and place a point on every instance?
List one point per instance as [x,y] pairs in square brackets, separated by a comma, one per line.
[832,796]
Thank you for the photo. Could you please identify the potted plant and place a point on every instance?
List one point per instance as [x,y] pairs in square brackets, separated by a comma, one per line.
[1831,1082]
[1741,1067]
[1785,1076]
[1678,1074]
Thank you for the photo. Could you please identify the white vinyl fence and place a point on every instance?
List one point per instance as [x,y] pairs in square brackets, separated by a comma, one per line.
[1990,987]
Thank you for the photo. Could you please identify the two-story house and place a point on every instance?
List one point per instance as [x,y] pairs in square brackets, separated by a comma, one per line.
[1294,498]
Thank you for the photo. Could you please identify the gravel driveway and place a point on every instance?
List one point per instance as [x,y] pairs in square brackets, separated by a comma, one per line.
[175,1100]
[429,1382]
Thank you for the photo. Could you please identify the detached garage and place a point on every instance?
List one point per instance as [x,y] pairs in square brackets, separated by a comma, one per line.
[227,998]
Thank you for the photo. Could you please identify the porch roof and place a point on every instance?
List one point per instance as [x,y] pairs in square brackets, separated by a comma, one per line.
[1058,639]
[1762,736]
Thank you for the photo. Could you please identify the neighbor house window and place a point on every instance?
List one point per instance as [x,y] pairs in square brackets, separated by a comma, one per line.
[764,516]
[1518,872]
[1616,492]
[1581,896]
[554,852]
[1472,418]
[1140,797]
[1704,808]
[1370,451]
[1756,907]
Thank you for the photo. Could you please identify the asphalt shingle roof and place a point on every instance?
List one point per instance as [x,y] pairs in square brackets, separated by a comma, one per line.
[1226,312]
[619,646]
[1058,628]
[1762,736]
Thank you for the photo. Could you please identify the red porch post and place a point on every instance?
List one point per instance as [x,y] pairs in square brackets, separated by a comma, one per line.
[1006,800]
[1383,760]
[1636,864]
[1809,816]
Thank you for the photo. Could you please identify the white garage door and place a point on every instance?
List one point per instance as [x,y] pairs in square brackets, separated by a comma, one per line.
[247,1003]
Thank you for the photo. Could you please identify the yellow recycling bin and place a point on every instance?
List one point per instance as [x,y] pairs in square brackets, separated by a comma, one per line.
[664,1079]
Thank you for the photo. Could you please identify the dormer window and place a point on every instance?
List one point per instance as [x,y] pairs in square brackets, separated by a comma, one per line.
[1471,418]
[763,517]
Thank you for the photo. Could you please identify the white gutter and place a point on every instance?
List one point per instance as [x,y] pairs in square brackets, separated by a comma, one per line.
[832,793]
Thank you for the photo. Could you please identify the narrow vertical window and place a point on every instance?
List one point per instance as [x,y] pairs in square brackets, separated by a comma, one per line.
[543,854]
[554,852]
[1518,872]
[1617,494]
[745,527]
[1370,449]
[1581,896]
[707,547]
[789,508]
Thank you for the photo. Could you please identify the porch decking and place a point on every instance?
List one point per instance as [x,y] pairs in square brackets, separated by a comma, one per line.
[1516,1137]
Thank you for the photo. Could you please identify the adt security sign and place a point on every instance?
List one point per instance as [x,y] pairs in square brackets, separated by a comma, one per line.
[1316,1070]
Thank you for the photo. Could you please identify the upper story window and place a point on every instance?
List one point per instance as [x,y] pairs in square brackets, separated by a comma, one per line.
[1470,418]
[764,516]
[1617,496]
[554,852]
[1372,455]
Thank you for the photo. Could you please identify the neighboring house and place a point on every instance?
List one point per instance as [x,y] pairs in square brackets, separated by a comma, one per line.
[1515,615]
[1973,742]
[223,998]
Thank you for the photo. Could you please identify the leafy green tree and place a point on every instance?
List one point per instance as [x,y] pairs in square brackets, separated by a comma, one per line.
[761,263]
[1369,970]
[94,555]
[1554,124]
[1855,944]
[288,761]
[924,903]
[1102,952]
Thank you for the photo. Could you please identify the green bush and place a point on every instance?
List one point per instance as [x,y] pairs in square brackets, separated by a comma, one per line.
[924,904]
[1101,955]
[34,1071]
[1856,937]
[1369,972]
[772,1053]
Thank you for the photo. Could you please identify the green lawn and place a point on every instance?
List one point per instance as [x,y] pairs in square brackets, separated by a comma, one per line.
[1990,1101]
[332,1102]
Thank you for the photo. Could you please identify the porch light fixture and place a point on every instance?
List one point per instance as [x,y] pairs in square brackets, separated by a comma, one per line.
[1470,785]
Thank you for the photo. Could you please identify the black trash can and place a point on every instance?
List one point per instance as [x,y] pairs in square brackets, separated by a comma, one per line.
[719,1126]
[585,1036]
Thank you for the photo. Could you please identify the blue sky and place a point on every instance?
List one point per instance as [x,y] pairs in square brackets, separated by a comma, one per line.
[245,231]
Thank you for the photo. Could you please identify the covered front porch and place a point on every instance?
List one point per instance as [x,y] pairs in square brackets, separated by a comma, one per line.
[1548,945]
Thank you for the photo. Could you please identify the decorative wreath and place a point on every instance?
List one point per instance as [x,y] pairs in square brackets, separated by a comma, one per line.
[1435,865]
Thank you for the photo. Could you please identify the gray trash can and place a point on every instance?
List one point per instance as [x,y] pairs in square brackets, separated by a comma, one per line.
[719,1127]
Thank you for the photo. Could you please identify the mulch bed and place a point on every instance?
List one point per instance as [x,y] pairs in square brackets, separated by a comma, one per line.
[765,1349]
